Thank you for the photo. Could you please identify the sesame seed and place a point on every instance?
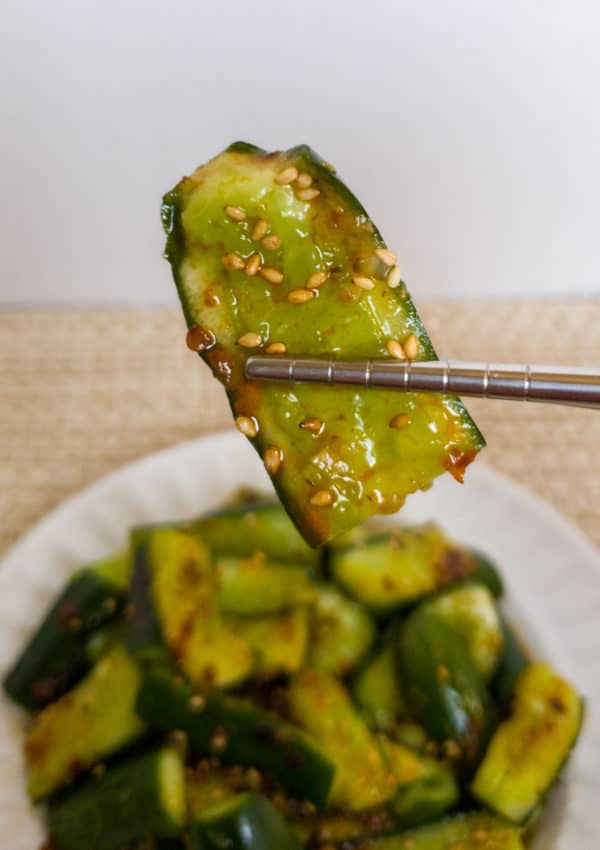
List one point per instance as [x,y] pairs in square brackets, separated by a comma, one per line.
[272,458]
[271,274]
[303,180]
[247,425]
[288,175]
[260,229]
[363,282]
[235,213]
[481,835]
[316,279]
[322,499]
[250,340]
[300,296]
[395,349]
[411,346]
[232,261]
[276,348]
[400,422]
[312,423]
[271,243]
[252,265]
[327,165]
[394,277]
[307,194]
[387,257]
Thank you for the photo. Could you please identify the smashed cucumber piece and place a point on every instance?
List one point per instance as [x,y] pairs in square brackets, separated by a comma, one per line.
[271,253]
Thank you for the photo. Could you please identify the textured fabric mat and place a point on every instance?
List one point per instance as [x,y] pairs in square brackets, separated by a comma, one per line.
[84,391]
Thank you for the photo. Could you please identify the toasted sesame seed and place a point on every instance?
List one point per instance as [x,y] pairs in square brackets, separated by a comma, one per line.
[272,458]
[394,277]
[400,422]
[363,282]
[260,229]
[312,423]
[411,346]
[271,274]
[395,349]
[232,261]
[272,242]
[250,340]
[197,702]
[252,265]
[276,348]
[247,425]
[451,748]
[288,175]
[322,499]
[300,296]
[235,213]
[316,279]
[303,180]
[307,194]
[386,256]
[219,740]
[327,165]
[481,835]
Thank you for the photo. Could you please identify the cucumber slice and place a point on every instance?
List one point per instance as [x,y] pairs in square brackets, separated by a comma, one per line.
[181,599]
[321,705]
[377,690]
[254,586]
[429,797]
[476,831]
[391,571]
[143,798]
[55,656]
[513,661]
[94,720]
[445,691]
[329,478]
[244,822]
[342,632]
[471,612]
[243,530]
[239,733]
[280,642]
[529,749]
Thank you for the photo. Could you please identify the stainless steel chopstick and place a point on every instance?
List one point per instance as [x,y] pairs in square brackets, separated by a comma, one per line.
[555,384]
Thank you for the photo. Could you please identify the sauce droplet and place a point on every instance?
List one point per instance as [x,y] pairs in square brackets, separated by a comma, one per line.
[199,339]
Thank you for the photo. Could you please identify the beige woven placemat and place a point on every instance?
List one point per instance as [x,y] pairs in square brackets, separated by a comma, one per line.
[84,391]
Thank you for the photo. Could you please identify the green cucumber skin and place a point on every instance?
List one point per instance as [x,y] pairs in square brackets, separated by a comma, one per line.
[144,636]
[427,799]
[122,806]
[250,735]
[512,662]
[468,831]
[487,573]
[55,657]
[245,822]
[445,691]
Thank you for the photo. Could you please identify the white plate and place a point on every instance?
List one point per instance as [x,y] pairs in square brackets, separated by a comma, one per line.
[552,573]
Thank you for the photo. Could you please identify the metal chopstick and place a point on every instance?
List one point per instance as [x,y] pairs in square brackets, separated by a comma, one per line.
[555,384]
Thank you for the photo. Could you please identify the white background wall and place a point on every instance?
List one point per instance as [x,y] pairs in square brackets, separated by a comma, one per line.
[471,130]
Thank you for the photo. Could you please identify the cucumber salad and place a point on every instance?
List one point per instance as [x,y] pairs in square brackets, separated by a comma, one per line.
[221,684]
